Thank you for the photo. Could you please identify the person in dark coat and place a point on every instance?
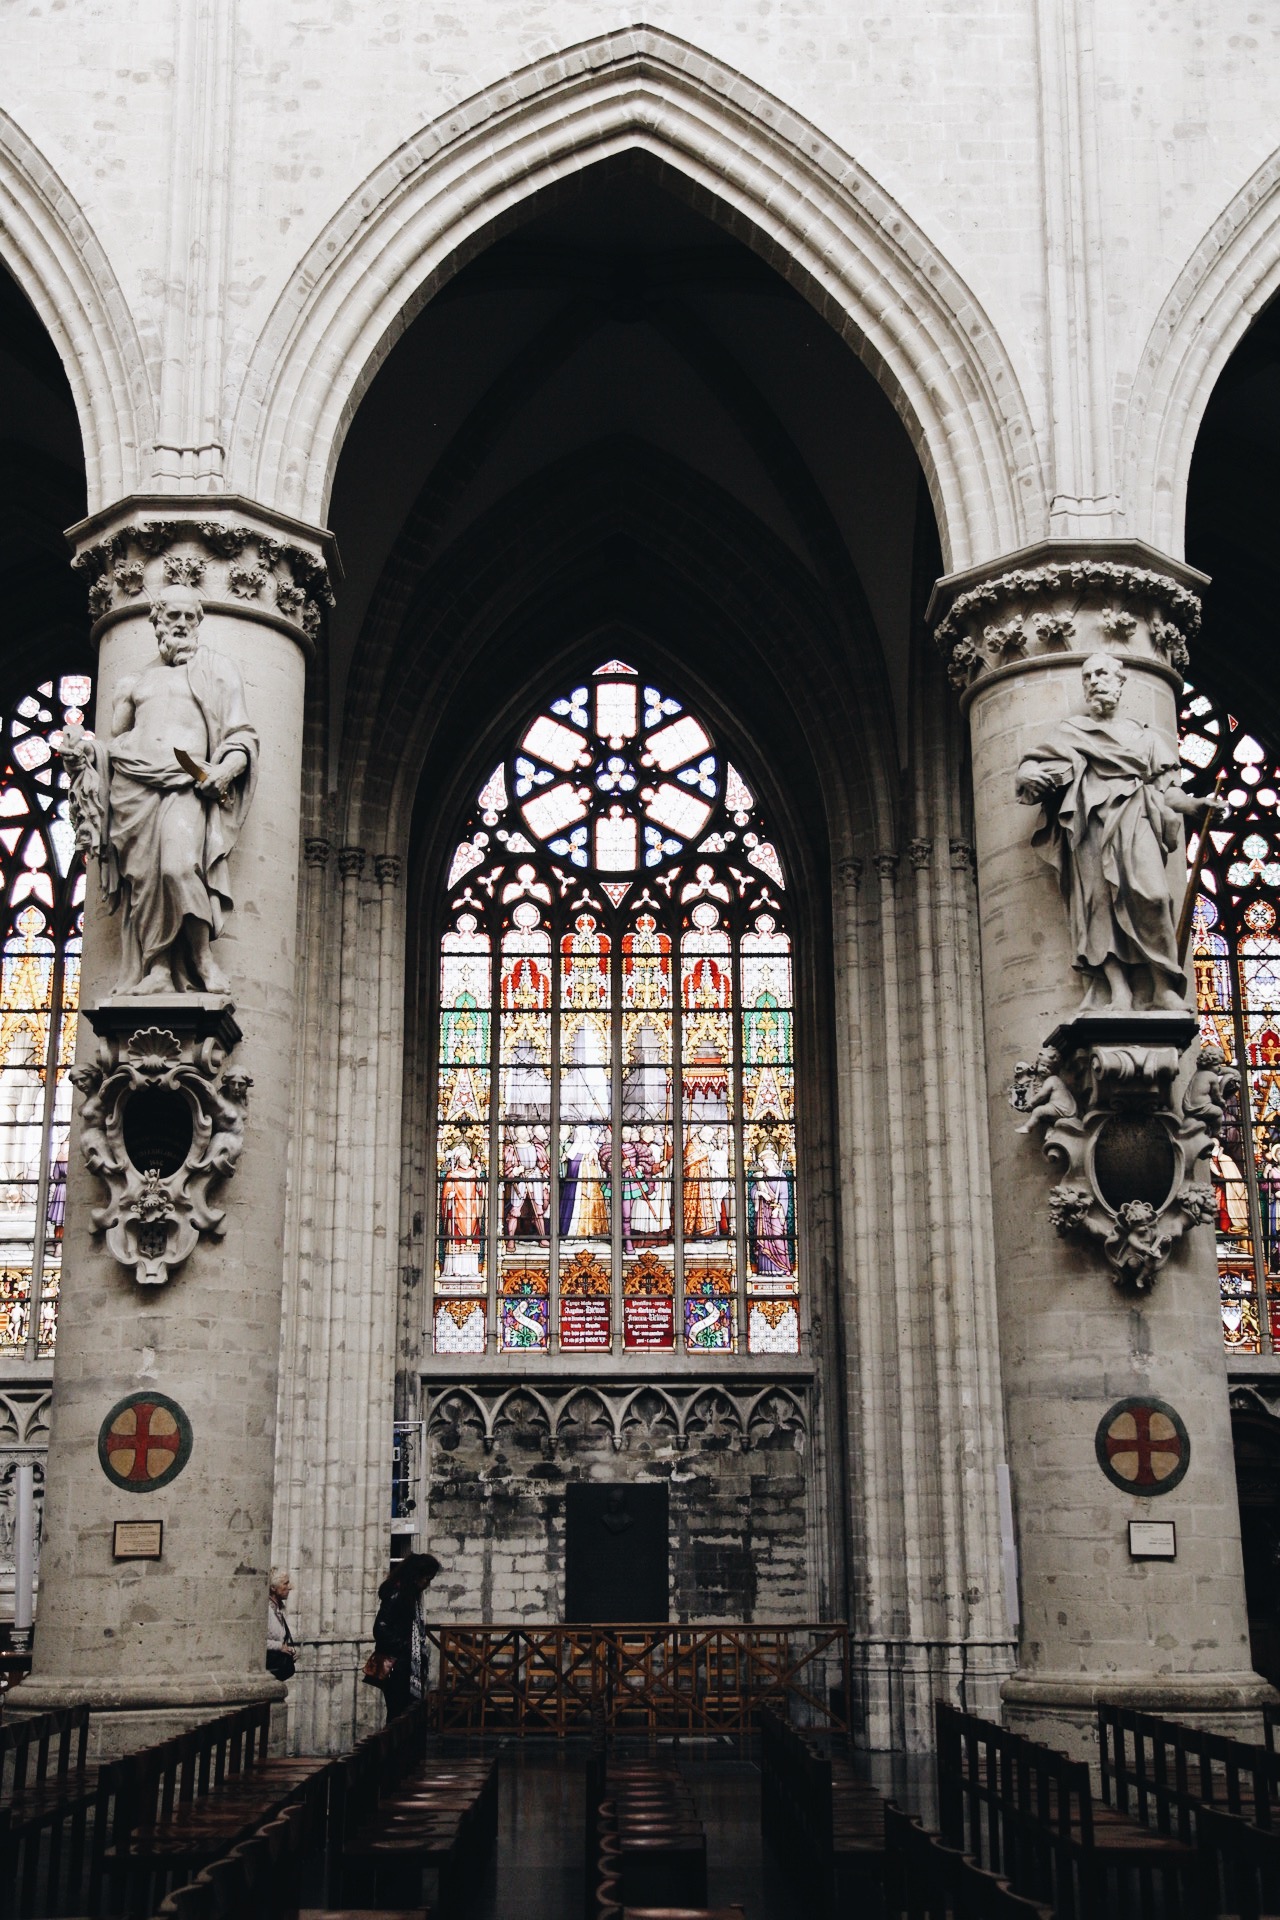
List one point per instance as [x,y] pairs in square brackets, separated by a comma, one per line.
[398,1630]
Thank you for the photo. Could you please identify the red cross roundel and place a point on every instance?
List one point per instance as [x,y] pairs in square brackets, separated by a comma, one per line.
[1142,1446]
[144,1442]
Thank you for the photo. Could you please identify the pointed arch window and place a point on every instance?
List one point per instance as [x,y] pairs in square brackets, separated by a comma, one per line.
[1235,947]
[42,875]
[613,1156]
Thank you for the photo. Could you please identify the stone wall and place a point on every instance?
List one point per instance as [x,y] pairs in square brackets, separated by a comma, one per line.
[736,1467]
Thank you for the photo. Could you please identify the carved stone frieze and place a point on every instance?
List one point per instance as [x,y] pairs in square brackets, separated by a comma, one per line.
[1101,1095]
[230,563]
[745,1414]
[162,1121]
[1067,606]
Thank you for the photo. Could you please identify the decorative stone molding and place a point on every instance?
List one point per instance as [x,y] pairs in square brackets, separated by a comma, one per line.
[316,852]
[963,856]
[886,865]
[851,872]
[742,1414]
[920,854]
[1079,602]
[1128,1150]
[388,868]
[234,565]
[351,862]
[24,1416]
[161,1123]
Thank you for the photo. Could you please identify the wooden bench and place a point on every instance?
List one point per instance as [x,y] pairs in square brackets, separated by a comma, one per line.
[397,1814]
[259,1880]
[171,1809]
[47,1793]
[1027,1814]
[819,1815]
[1166,1773]
[924,1879]
[650,1847]
[1241,1866]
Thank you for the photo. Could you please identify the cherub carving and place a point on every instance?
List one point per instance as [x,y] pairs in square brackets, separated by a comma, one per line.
[1210,1087]
[1046,1097]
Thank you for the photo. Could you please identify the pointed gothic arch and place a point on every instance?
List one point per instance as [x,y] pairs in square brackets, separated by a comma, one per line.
[49,247]
[1232,275]
[740,156]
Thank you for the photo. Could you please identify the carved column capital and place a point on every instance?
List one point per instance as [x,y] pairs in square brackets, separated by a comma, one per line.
[1062,600]
[351,862]
[316,852]
[920,854]
[242,559]
[886,865]
[963,857]
[388,868]
[850,872]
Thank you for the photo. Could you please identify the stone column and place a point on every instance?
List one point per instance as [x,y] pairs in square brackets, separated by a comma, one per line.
[182,1634]
[1087,1319]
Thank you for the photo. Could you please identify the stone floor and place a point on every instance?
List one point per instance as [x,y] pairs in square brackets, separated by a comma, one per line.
[538,1873]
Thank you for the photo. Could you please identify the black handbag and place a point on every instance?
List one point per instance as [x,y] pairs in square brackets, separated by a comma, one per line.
[280,1663]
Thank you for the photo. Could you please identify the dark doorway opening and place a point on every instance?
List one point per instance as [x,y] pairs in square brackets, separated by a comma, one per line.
[615,1554]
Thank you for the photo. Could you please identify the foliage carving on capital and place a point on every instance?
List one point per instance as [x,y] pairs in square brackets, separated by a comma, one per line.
[233,565]
[1093,604]
[162,1122]
[1101,1094]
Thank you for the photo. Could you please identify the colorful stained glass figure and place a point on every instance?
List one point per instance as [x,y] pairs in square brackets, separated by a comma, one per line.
[1235,954]
[42,875]
[615,1100]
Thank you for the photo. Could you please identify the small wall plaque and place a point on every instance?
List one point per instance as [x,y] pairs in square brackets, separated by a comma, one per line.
[137,1540]
[1153,1540]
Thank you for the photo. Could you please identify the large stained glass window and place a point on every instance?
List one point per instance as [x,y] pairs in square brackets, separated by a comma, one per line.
[1235,946]
[43,891]
[613,1155]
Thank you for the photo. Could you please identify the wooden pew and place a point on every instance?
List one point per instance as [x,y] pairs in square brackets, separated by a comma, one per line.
[167,1811]
[1241,1866]
[47,1793]
[1166,1773]
[926,1880]
[259,1880]
[816,1812]
[397,1814]
[651,1851]
[1027,1813]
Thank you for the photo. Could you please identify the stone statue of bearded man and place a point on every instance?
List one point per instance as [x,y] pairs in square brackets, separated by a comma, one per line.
[178,775]
[1113,809]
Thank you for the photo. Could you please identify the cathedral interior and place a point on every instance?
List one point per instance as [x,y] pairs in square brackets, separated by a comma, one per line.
[554,1006]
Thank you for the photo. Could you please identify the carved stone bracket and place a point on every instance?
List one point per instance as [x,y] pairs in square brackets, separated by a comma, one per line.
[1127,1149]
[161,1124]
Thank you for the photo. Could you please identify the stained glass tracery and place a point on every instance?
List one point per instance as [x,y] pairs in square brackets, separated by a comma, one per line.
[614,1142]
[1235,948]
[42,876]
